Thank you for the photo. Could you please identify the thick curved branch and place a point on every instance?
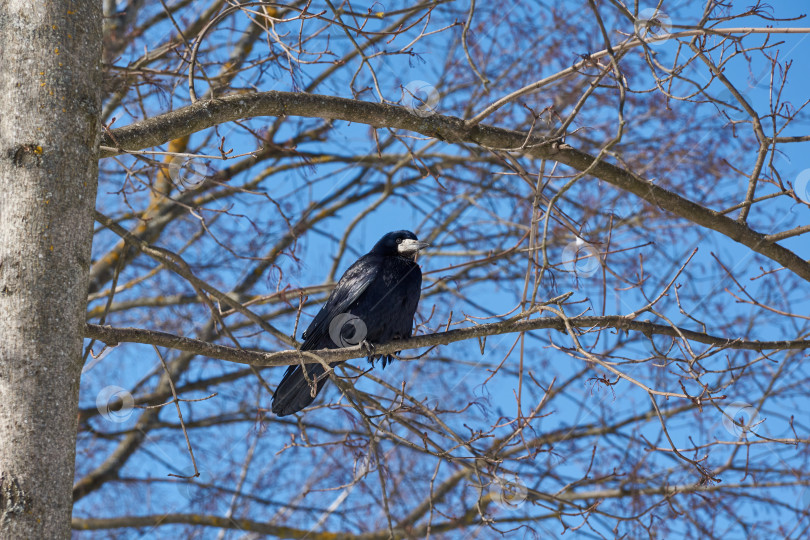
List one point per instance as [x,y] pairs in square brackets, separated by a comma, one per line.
[205,114]
[114,336]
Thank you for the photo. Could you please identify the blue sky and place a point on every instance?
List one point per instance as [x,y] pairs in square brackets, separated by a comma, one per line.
[221,452]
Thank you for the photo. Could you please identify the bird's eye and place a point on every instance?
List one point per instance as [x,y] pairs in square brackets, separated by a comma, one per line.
[399,240]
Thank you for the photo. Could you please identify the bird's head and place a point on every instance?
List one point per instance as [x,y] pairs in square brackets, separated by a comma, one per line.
[401,243]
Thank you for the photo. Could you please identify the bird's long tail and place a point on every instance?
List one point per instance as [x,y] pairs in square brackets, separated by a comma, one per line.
[294,392]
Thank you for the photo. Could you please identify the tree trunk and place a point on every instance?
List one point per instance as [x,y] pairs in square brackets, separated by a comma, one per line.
[50,83]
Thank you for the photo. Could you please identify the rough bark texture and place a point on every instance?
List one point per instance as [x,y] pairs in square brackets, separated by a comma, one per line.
[50,82]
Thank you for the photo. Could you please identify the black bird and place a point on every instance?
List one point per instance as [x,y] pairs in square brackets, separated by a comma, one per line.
[373,303]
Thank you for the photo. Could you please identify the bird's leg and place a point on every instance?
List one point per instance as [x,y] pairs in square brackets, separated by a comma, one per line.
[368,348]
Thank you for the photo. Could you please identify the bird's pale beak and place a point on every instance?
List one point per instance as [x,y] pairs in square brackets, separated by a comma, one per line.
[411,247]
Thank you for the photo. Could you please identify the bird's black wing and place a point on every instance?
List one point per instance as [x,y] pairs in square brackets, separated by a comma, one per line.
[295,391]
[353,283]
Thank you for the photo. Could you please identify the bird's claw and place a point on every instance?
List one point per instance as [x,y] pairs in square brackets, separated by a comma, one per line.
[367,346]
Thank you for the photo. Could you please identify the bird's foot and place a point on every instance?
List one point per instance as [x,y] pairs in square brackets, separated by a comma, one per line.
[368,347]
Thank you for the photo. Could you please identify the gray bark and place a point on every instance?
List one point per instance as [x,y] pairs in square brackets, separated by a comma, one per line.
[50,83]
[115,336]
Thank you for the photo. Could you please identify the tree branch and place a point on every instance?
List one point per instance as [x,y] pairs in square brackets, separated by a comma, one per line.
[205,114]
[114,336]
